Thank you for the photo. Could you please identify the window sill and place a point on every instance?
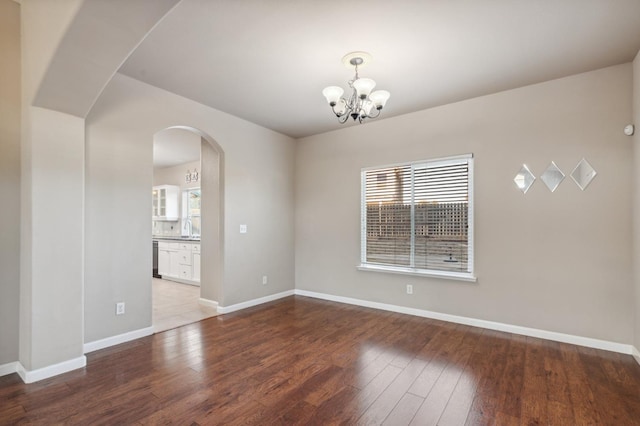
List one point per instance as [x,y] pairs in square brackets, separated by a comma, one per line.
[458,276]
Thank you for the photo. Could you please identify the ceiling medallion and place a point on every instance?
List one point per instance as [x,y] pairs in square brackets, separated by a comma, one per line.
[362,103]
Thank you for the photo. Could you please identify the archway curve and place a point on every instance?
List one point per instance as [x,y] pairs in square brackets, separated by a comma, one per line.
[212,234]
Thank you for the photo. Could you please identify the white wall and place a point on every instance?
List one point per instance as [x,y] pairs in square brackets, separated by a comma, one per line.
[9,180]
[554,261]
[258,191]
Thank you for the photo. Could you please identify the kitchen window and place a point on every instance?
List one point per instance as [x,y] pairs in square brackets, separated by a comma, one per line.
[191,216]
[417,218]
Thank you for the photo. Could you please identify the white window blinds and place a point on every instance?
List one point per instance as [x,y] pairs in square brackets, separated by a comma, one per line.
[419,215]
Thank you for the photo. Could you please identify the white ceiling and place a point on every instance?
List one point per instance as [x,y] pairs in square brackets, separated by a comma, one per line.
[175,146]
[268,61]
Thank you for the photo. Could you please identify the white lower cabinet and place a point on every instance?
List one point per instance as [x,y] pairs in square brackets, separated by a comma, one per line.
[163,261]
[178,261]
[168,259]
[174,262]
[185,272]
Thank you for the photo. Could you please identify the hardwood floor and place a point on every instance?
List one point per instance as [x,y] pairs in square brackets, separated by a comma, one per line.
[306,361]
[175,304]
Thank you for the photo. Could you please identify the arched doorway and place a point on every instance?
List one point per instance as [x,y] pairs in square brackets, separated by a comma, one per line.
[195,236]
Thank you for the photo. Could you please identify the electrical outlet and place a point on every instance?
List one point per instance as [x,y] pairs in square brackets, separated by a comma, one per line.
[409,289]
[264,280]
[120,308]
[243,229]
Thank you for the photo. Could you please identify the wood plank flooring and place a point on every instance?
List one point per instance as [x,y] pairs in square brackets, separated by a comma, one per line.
[307,361]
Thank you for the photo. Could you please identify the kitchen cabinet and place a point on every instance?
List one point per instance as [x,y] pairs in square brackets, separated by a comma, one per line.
[185,272]
[165,202]
[168,260]
[184,259]
[179,261]
[163,262]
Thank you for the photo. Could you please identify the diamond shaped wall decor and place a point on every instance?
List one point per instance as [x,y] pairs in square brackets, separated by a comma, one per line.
[583,174]
[524,179]
[552,176]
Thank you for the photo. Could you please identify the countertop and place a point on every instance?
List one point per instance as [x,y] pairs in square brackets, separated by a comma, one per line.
[172,238]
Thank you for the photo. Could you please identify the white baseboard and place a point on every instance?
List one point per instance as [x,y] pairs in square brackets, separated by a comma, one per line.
[635,353]
[116,340]
[254,302]
[30,376]
[515,329]
[208,303]
[8,368]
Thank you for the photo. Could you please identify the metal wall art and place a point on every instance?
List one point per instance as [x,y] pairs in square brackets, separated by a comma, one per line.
[191,177]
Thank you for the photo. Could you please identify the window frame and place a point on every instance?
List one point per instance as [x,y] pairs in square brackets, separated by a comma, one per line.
[469,275]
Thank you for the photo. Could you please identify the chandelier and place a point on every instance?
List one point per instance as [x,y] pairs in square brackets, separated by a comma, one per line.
[362,103]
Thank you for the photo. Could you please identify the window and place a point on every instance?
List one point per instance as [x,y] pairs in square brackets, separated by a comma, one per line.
[191,220]
[418,218]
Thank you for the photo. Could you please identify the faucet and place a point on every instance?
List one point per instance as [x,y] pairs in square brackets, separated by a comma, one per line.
[188,226]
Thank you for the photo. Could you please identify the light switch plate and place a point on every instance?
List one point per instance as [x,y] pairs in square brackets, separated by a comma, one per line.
[243,229]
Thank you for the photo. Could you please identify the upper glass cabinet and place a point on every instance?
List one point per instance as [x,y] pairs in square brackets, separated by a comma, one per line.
[164,199]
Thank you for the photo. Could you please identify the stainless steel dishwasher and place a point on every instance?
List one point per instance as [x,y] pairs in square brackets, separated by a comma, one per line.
[155,260]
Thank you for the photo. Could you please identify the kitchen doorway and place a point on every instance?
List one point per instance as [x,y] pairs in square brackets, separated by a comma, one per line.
[186,225]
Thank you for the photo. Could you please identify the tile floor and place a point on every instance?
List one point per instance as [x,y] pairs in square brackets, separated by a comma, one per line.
[176,304]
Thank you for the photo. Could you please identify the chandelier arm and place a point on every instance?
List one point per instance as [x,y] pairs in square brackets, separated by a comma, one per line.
[376,115]
[343,118]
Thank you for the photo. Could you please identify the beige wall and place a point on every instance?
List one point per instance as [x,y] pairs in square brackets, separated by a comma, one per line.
[553,261]
[258,191]
[47,23]
[52,163]
[175,175]
[635,141]
[53,48]
[9,179]
[212,239]
[53,288]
